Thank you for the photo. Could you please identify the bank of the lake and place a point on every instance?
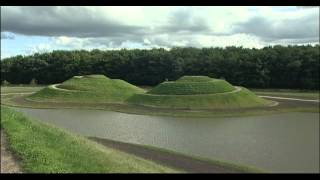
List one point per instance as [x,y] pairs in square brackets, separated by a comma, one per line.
[43,148]
[286,142]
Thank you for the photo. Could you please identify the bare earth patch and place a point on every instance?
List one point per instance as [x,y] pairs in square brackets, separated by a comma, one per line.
[9,163]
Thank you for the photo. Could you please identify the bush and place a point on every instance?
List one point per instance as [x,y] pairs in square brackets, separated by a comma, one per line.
[33,82]
[5,83]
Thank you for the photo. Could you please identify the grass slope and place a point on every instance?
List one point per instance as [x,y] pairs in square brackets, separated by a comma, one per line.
[198,92]
[192,88]
[191,85]
[90,88]
[194,79]
[241,99]
[47,149]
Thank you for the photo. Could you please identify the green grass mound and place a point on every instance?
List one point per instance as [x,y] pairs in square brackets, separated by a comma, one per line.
[205,93]
[90,88]
[194,79]
[182,87]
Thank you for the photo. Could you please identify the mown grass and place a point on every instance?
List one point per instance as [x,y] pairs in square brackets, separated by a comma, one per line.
[91,88]
[197,92]
[192,88]
[43,148]
[241,99]
[194,79]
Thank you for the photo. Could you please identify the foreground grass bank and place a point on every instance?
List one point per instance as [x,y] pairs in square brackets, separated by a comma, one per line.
[46,149]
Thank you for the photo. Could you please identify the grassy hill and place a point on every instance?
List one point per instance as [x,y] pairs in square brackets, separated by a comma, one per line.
[90,88]
[188,92]
[189,85]
[192,92]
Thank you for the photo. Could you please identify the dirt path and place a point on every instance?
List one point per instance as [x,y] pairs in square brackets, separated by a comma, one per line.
[54,86]
[9,163]
[292,99]
[5,94]
[182,162]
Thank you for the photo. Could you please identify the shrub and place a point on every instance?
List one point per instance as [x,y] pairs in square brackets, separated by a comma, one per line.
[5,83]
[33,82]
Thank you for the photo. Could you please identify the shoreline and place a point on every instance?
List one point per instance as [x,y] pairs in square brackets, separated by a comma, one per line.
[177,160]
[283,106]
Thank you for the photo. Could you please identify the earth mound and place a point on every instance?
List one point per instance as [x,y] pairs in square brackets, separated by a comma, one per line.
[198,92]
[88,88]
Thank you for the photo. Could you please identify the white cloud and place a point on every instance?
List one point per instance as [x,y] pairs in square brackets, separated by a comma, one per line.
[146,27]
[39,48]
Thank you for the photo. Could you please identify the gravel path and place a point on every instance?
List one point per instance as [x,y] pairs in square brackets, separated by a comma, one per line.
[9,163]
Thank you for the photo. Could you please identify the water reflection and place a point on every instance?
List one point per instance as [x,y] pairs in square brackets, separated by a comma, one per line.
[279,143]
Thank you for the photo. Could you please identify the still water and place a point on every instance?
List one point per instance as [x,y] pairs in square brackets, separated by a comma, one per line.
[286,142]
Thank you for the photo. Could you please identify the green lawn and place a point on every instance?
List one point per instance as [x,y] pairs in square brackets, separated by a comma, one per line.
[43,148]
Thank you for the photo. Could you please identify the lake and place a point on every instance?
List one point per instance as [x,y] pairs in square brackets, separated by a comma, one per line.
[286,142]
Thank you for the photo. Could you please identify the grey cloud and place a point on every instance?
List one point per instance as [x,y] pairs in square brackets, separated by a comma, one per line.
[181,25]
[185,21]
[306,7]
[66,21]
[5,35]
[301,29]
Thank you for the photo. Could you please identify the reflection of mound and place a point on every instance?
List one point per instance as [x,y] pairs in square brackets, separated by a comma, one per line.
[198,92]
[90,88]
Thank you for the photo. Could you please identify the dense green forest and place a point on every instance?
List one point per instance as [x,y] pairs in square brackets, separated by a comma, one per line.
[270,67]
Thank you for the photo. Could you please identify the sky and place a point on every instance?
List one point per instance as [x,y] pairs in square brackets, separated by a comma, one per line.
[27,30]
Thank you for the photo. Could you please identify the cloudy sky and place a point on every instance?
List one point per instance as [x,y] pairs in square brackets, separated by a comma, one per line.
[26,30]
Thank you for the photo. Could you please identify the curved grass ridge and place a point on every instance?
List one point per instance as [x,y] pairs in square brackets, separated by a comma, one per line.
[192,87]
[90,88]
[240,99]
[46,149]
[185,93]
[206,93]
[194,79]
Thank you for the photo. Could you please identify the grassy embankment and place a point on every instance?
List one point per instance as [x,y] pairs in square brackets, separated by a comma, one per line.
[90,89]
[198,92]
[43,148]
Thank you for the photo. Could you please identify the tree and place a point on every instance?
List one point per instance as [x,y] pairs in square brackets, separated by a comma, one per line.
[269,67]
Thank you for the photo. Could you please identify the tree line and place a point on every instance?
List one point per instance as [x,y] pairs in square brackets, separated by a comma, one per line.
[293,67]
